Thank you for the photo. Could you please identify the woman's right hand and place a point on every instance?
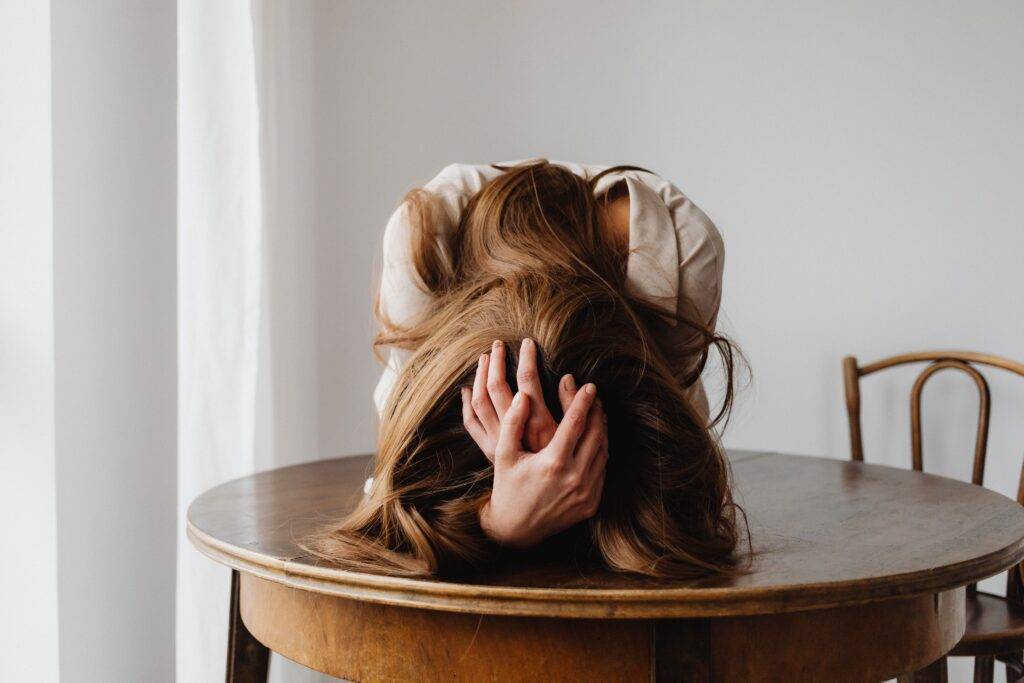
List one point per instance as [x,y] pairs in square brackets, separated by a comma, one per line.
[557,479]
[536,495]
[486,403]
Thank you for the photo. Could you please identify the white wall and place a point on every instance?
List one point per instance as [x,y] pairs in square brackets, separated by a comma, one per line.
[864,162]
[865,174]
[28,544]
[114,170]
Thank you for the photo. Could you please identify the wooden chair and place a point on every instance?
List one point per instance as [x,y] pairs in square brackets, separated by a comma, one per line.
[995,625]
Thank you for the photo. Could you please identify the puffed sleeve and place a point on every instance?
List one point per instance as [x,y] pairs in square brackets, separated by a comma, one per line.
[701,251]
[403,298]
[701,265]
[697,251]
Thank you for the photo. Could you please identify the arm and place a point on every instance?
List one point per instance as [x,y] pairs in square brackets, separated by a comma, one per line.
[614,214]
[701,252]
[676,253]
[701,266]
[401,299]
[402,296]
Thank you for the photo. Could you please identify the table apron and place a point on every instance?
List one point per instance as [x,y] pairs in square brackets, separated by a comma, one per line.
[368,642]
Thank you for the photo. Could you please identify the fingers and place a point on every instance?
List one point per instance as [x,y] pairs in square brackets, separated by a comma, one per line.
[593,479]
[481,401]
[497,385]
[528,379]
[575,421]
[510,438]
[596,484]
[592,441]
[595,473]
[473,425]
[566,392]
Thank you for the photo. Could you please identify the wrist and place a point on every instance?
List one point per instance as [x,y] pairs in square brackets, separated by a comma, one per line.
[486,522]
[492,528]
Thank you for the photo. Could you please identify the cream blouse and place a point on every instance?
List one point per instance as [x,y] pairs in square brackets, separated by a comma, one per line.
[673,248]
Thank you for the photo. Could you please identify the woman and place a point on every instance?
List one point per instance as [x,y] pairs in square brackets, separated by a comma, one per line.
[549,276]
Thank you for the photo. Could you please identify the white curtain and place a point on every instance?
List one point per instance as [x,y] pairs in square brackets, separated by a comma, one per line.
[246,334]
[219,297]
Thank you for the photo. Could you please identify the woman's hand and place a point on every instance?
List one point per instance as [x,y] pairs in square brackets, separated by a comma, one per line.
[486,403]
[557,479]
[538,494]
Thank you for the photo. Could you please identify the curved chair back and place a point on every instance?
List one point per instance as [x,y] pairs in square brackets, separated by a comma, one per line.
[962,361]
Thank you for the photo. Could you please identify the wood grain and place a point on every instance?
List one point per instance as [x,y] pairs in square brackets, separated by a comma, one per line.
[826,533]
[367,642]
[995,624]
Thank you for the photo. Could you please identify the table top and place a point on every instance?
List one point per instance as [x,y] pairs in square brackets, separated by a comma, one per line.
[824,532]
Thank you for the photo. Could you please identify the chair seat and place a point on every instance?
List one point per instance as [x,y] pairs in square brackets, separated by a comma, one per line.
[994,626]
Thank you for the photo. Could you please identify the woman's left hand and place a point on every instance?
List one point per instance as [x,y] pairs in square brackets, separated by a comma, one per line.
[484,406]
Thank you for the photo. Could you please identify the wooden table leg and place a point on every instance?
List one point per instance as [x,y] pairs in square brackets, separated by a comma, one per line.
[248,658]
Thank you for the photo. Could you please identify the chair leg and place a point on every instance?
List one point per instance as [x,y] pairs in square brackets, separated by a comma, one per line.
[248,658]
[984,669]
[933,673]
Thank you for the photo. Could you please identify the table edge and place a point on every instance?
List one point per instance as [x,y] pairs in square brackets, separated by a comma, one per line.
[605,603]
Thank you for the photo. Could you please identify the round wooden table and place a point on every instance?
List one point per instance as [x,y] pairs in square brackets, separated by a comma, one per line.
[858,573]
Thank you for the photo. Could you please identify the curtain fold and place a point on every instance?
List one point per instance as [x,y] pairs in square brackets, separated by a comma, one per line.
[248,377]
[219,297]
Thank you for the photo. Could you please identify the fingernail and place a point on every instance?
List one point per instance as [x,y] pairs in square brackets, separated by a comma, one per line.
[517,399]
[497,344]
[480,361]
[590,389]
[526,342]
[570,383]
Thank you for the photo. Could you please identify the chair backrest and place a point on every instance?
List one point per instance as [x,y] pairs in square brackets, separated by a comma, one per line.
[963,361]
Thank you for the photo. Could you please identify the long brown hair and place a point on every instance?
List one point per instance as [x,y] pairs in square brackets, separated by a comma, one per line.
[530,257]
